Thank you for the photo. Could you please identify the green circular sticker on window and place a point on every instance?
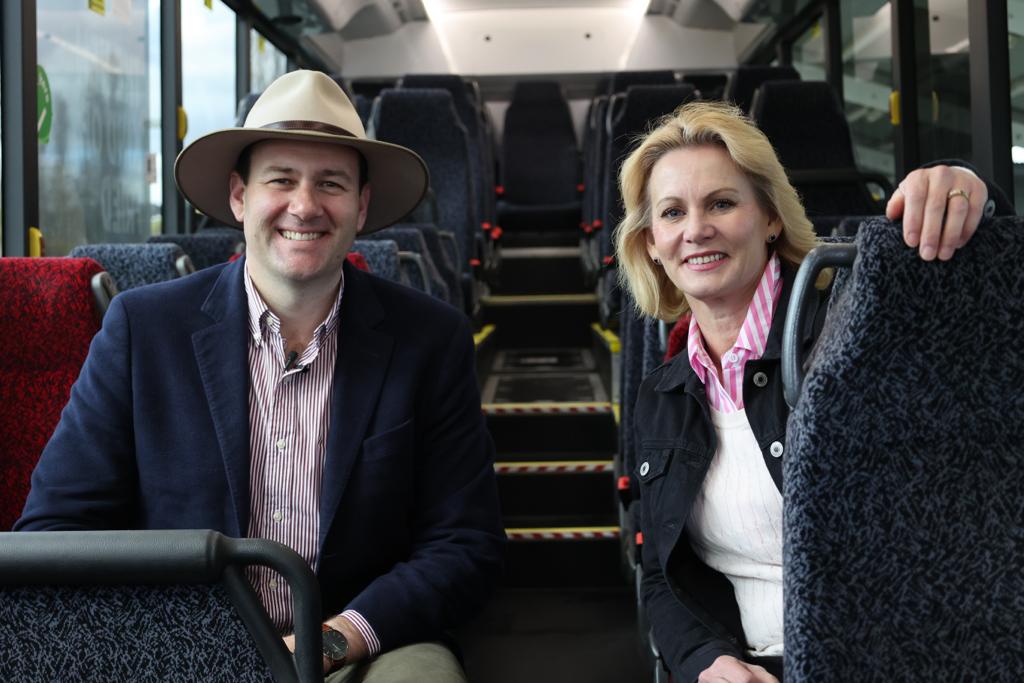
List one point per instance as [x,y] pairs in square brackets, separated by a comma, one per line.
[44,106]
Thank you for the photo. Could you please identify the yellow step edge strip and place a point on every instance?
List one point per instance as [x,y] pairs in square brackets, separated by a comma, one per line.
[481,336]
[575,533]
[611,340]
[519,299]
[554,466]
[553,408]
[617,411]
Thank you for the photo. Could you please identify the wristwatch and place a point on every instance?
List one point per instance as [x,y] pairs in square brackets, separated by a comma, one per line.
[335,646]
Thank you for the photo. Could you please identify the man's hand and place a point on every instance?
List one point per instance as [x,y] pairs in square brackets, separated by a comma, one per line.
[729,669]
[357,648]
[932,218]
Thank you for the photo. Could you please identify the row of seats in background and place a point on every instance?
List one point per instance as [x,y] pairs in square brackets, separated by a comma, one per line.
[57,304]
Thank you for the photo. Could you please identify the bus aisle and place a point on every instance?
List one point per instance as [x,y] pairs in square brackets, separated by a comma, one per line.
[565,610]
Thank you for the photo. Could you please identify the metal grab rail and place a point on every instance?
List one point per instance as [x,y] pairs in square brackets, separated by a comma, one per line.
[166,557]
[819,258]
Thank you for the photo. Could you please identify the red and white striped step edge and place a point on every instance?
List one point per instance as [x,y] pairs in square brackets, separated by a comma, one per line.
[554,467]
[588,408]
[588,533]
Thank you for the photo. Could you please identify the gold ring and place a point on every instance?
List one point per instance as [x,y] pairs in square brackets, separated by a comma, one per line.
[958,193]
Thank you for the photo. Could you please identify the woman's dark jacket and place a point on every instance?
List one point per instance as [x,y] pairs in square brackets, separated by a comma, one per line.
[691,607]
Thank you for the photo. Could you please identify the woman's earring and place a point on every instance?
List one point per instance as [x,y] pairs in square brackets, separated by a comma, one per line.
[657,261]
[772,237]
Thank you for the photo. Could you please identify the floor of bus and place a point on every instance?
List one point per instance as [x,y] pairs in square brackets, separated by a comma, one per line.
[566,610]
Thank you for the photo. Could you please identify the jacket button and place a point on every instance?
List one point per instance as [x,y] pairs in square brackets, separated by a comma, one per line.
[776,449]
[644,469]
[760,379]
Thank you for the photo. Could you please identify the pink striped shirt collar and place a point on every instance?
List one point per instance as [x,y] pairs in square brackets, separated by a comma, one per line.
[260,315]
[725,394]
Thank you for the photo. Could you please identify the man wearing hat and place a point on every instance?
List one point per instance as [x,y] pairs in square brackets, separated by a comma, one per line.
[290,396]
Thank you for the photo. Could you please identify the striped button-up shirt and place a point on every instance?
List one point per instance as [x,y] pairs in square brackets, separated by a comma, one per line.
[289,418]
[725,393]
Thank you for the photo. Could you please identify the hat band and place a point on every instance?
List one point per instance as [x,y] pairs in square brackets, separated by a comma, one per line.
[315,126]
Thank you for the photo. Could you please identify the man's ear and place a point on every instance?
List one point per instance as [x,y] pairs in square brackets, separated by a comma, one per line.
[236,195]
[364,205]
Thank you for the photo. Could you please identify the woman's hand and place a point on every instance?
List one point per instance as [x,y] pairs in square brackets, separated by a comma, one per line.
[941,207]
[732,670]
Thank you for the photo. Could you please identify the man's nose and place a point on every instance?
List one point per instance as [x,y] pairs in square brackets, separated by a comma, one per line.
[304,202]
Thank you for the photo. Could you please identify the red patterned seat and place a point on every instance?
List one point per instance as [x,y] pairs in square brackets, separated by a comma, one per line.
[48,316]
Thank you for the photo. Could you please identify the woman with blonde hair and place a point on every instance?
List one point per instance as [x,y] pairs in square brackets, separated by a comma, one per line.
[713,234]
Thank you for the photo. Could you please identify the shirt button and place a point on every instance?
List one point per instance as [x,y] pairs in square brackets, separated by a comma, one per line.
[732,358]
[273,583]
[644,469]
[277,516]
[776,449]
[281,443]
[760,379]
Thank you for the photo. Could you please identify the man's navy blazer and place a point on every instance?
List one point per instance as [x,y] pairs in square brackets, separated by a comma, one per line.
[156,436]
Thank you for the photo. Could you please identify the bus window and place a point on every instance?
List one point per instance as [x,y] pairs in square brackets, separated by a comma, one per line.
[93,127]
[267,62]
[867,82]
[207,67]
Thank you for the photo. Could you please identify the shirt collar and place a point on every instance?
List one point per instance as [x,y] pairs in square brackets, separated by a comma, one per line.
[756,325]
[262,319]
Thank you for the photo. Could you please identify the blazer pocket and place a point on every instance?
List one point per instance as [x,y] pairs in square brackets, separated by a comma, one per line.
[395,440]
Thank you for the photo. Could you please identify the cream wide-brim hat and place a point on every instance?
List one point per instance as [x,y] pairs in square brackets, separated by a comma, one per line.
[310,106]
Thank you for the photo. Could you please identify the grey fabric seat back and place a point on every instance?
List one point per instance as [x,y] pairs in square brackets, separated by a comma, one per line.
[411,239]
[134,265]
[748,78]
[244,107]
[541,162]
[711,86]
[820,142]
[640,108]
[382,257]
[631,336]
[444,262]
[469,116]
[363,105]
[208,247]
[149,605]
[904,470]
[425,121]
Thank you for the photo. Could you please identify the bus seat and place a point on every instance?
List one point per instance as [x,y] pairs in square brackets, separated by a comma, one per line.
[904,469]
[541,163]
[629,114]
[209,247]
[710,86]
[425,121]
[382,257]
[621,80]
[748,78]
[443,270]
[149,605]
[411,240]
[363,105]
[134,265]
[49,315]
[593,176]
[481,164]
[817,153]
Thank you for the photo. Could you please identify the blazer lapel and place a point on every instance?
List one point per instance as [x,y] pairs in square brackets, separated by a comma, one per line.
[222,352]
[361,366]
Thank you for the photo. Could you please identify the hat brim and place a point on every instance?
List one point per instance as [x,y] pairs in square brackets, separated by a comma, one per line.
[398,177]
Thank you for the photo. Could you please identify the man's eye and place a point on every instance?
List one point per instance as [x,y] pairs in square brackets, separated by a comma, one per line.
[280,181]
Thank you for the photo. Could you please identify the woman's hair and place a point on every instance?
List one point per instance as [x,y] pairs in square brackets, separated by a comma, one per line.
[692,125]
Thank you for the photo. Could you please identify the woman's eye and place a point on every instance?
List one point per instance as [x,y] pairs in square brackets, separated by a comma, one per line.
[723,204]
[671,213]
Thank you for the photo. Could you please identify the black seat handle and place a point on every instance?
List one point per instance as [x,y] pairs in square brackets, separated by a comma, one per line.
[819,258]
